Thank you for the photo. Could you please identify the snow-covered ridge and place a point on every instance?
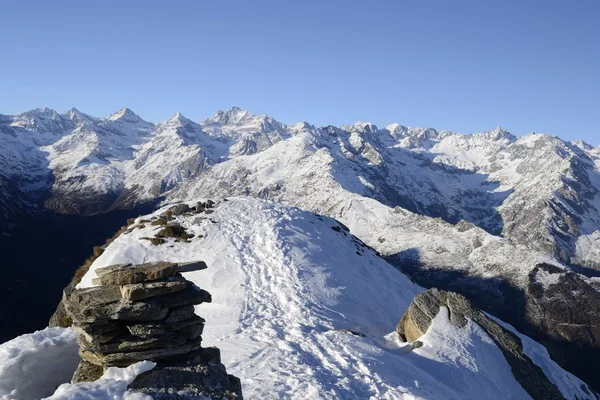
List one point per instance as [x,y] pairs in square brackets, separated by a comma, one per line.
[289,287]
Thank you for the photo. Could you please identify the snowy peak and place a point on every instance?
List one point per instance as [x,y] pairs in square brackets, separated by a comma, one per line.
[41,119]
[75,115]
[360,127]
[497,134]
[232,116]
[179,120]
[125,115]
[237,120]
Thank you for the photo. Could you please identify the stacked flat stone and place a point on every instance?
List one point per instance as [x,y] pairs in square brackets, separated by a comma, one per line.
[136,313]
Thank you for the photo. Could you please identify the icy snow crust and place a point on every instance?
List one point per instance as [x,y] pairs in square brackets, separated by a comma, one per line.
[284,283]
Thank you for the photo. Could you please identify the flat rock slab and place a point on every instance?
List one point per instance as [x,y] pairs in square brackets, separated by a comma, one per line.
[139,291]
[102,303]
[191,295]
[139,273]
[127,358]
[180,313]
[110,268]
[130,343]
[101,331]
[190,328]
[192,266]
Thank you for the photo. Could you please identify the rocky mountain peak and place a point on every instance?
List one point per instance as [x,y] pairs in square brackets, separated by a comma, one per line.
[125,115]
[41,119]
[231,116]
[360,127]
[179,119]
[75,115]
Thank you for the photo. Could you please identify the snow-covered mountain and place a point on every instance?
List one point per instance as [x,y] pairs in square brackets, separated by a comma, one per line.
[537,190]
[300,309]
[507,221]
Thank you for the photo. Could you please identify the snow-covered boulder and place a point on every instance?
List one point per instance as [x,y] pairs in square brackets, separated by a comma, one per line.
[417,320]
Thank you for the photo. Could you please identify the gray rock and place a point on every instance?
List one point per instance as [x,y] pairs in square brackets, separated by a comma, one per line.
[128,358]
[180,313]
[139,273]
[101,331]
[139,291]
[190,328]
[206,380]
[87,372]
[192,294]
[180,209]
[147,330]
[191,266]
[425,306]
[130,343]
[105,270]
[100,303]
[139,311]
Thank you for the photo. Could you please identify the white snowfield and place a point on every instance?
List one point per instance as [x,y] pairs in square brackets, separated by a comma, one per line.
[285,285]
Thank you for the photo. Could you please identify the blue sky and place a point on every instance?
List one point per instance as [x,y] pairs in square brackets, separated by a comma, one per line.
[466,66]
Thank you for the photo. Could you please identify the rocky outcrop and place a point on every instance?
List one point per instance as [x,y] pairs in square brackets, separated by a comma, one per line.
[146,312]
[424,308]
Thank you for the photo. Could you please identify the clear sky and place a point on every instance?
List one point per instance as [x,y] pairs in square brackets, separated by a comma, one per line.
[467,66]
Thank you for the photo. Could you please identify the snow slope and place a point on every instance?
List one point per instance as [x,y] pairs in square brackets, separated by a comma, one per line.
[287,282]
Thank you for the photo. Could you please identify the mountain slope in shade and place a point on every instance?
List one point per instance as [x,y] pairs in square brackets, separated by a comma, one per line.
[288,286]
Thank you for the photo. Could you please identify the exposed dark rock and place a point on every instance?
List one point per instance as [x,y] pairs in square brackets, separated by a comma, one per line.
[155,241]
[190,328]
[127,358]
[426,306]
[174,231]
[179,209]
[192,294]
[191,266]
[350,331]
[130,343]
[180,313]
[206,380]
[100,332]
[159,222]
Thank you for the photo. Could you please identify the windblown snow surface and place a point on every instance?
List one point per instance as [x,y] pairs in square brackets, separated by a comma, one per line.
[286,283]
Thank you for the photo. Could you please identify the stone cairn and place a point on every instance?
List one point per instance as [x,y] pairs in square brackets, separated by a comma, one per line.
[146,312]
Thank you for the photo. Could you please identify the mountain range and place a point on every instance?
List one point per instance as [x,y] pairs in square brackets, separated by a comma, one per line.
[511,222]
